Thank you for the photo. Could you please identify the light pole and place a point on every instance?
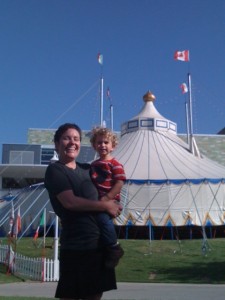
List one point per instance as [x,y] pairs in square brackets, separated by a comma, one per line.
[56,249]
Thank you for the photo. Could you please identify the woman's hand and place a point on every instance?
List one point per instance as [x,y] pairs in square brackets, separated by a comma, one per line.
[74,203]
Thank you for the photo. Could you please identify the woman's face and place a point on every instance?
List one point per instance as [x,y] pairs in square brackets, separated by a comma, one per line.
[68,147]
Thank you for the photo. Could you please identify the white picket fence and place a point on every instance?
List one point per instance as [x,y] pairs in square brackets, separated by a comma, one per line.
[40,269]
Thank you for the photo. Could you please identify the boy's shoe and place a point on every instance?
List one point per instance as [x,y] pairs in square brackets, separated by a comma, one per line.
[113,255]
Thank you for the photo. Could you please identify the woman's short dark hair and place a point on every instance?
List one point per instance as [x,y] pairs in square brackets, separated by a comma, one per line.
[64,127]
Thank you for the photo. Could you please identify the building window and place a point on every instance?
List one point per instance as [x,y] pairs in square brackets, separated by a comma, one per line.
[21,157]
[46,155]
[18,183]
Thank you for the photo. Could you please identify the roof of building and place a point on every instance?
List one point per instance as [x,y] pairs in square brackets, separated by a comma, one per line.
[150,150]
[222,131]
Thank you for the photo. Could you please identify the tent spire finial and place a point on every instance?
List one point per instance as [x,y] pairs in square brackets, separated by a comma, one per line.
[148,97]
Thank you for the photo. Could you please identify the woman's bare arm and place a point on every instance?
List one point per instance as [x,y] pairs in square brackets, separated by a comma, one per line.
[74,203]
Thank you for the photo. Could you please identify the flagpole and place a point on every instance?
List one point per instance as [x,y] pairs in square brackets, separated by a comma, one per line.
[185,56]
[11,219]
[100,60]
[56,247]
[190,114]
[10,255]
[44,228]
[187,122]
[101,100]
[110,108]
[111,116]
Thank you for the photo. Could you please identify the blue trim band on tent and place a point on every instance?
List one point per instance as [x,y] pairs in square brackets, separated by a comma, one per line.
[175,181]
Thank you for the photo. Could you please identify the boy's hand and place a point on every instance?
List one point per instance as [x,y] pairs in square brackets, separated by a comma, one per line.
[105,198]
[114,208]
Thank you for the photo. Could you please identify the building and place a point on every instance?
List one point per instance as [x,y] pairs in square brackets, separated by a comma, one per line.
[25,164]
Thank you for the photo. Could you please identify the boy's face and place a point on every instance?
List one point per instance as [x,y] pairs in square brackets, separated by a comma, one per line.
[103,145]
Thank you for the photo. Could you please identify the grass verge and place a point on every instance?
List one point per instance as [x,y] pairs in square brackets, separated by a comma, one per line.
[153,261]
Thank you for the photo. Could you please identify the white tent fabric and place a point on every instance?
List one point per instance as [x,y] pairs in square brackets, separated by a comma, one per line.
[166,184]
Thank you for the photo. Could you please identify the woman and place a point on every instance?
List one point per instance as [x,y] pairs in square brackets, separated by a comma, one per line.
[82,271]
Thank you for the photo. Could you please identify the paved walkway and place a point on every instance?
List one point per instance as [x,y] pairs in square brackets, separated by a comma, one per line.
[126,291]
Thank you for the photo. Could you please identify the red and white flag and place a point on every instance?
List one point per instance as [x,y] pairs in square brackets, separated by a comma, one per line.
[36,233]
[17,225]
[184,88]
[182,55]
[100,58]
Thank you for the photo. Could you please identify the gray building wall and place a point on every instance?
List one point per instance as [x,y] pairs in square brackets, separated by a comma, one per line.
[211,146]
[21,154]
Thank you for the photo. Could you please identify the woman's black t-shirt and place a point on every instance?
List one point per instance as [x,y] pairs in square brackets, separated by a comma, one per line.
[79,229]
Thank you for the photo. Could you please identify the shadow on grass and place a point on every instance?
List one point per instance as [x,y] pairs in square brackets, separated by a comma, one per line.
[201,273]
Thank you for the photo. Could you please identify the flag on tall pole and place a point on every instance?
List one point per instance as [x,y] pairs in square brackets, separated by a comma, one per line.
[110,107]
[42,223]
[182,55]
[100,58]
[184,88]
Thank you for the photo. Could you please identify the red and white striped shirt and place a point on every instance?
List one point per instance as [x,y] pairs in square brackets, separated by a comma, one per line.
[105,173]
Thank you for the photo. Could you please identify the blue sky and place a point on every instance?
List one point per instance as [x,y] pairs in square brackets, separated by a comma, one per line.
[49,71]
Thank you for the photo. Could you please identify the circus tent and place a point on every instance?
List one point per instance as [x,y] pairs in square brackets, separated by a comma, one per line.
[168,182]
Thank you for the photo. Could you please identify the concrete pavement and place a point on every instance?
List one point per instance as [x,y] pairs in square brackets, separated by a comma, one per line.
[125,291]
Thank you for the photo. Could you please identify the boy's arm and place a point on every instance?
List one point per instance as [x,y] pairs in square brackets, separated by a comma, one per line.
[114,190]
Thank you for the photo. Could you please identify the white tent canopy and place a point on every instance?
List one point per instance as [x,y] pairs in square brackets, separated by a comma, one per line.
[167,185]
[166,182]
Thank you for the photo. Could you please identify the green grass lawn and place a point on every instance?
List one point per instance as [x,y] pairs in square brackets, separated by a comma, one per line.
[159,261]
[173,262]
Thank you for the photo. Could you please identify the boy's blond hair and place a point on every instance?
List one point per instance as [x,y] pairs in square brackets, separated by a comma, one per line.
[106,132]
